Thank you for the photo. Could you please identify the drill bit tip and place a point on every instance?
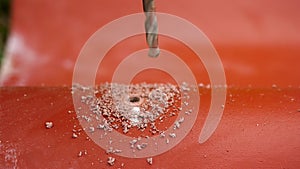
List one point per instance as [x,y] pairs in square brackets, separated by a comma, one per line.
[151,28]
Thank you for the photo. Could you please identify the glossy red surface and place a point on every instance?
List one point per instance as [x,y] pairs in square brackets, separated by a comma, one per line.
[259,129]
[257,41]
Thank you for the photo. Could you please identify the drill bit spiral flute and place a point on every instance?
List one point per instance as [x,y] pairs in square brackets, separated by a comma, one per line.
[151,27]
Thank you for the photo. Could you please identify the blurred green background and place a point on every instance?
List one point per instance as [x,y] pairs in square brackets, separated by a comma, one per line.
[4,25]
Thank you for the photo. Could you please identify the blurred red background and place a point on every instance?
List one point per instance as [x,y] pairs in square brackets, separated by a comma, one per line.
[257,41]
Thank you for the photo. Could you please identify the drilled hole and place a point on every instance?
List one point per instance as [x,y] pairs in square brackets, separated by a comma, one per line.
[134,99]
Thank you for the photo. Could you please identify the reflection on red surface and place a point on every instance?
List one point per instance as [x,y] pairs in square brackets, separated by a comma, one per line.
[257,42]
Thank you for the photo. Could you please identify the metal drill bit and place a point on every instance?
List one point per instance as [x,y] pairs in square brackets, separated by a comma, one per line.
[151,27]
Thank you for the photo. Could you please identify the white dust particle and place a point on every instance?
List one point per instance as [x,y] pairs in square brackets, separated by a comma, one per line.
[74,135]
[150,160]
[49,124]
[201,85]
[162,135]
[132,143]
[111,161]
[176,125]
[111,150]
[141,146]
[92,129]
[172,135]
[117,151]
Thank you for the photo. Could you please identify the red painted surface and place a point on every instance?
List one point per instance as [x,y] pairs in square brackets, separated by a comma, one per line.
[258,43]
[259,129]
[256,40]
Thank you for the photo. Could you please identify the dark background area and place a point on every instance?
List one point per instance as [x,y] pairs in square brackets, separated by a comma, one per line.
[4,25]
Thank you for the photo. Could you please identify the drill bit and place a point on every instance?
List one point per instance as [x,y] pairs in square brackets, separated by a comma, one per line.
[151,27]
